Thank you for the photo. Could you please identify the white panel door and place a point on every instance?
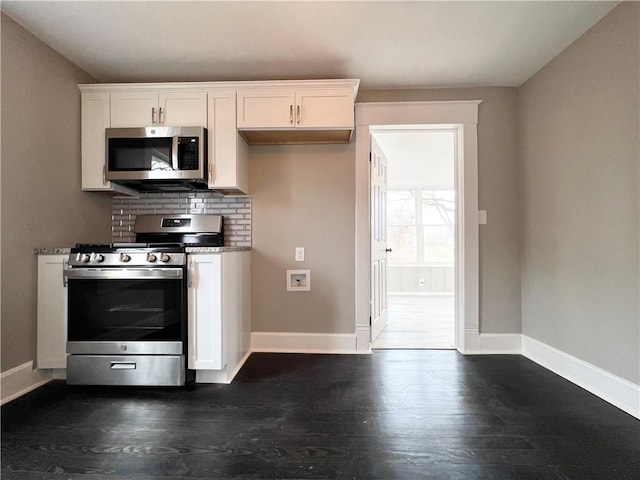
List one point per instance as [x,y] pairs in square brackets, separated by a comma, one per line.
[136,108]
[52,312]
[379,314]
[95,118]
[182,109]
[331,108]
[266,109]
[205,312]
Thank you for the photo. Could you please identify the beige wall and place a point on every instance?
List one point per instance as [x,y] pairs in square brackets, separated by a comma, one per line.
[42,204]
[580,155]
[498,194]
[303,196]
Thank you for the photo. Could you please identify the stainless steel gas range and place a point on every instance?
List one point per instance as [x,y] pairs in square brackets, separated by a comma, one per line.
[127,303]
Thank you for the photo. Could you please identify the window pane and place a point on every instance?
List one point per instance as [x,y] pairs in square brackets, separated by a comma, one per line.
[438,207]
[401,207]
[439,245]
[403,243]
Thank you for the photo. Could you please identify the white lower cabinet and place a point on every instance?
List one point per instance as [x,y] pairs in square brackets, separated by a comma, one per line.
[52,312]
[219,308]
[205,312]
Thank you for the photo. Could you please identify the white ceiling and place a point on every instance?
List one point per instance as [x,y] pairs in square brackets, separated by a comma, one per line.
[386,44]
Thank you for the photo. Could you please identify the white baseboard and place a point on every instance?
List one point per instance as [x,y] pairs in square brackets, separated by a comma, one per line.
[220,376]
[492,344]
[363,339]
[616,390]
[500,343]
[294,342]
[21,380]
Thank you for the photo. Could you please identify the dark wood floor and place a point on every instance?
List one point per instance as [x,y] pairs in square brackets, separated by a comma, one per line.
[392,415]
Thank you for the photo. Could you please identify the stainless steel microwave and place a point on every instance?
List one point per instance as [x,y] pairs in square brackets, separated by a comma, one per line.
[157,158]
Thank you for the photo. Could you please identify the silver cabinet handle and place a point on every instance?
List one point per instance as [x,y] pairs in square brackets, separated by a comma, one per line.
[160,116]
[153,115]
[104,174]
[291,114]
[64,273]
[298,117]
[190,272]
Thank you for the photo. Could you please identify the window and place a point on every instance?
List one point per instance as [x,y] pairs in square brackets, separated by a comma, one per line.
[421,226]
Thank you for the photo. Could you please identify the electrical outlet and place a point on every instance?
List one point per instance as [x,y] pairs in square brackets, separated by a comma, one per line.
[299,254]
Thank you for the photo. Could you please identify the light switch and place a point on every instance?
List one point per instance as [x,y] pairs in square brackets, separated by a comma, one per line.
[299,254]
[482,217]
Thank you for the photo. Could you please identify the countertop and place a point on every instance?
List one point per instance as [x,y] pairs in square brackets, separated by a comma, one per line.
[67,250]
[52,251]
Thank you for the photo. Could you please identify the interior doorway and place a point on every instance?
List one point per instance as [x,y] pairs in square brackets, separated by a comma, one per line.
[461,116]
[418,261]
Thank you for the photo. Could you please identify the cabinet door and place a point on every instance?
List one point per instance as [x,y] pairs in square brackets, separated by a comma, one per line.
[52,312]
[135,108]
[183,109]
[266,109]
[236,305]
[330,108]
[228,152]
[95,118]
[205,312]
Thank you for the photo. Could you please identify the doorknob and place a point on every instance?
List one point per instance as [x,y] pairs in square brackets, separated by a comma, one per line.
[387,249]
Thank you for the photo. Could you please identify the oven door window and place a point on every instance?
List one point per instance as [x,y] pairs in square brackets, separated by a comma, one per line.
[126,310]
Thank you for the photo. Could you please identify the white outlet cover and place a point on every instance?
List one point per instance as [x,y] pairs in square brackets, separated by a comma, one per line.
[299,254]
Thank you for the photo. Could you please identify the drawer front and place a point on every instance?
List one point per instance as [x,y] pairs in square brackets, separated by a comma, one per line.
[144,370]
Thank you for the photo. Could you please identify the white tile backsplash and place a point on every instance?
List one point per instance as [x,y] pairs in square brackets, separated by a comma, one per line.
[236,211]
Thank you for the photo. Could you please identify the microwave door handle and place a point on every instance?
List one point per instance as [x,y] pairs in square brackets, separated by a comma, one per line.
[174,152]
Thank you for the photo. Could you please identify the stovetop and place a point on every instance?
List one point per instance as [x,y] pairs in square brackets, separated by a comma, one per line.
[161,241]
[130,256]
[135,246]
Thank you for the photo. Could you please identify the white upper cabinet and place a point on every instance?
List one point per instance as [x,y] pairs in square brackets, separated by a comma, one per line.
[95,118]
[332,108]
[228,151]
[297,112]
[235,114]
[266,108]
[144,107]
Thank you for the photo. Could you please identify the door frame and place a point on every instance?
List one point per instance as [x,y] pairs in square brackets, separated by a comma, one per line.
[460,115]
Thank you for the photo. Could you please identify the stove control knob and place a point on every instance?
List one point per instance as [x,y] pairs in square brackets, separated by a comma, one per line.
[151,257]
[85,257]
[99,258]
[124,257]
[165,257]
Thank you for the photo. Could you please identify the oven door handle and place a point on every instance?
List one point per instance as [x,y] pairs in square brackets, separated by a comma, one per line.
[125,273]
